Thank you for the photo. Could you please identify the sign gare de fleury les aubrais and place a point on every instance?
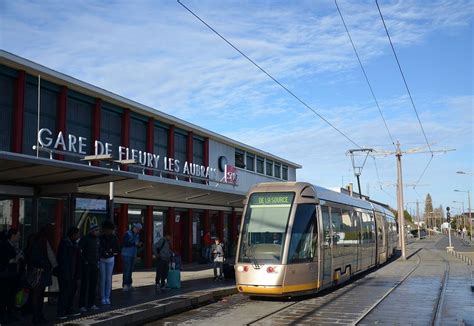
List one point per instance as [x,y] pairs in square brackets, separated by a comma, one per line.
[78,145]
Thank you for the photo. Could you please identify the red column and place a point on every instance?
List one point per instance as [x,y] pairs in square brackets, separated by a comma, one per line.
[96,124]
[170,223]
[234,235]
[61,115]
[122,228]
[220,226]
[171,146]
[58,222]
[190,235]
[18,111]
[205,224]
[150,139]
[206,152]
[15,213]
[149,237]
[125,131]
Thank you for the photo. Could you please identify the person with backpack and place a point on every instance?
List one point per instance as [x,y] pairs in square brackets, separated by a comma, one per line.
[68,273]
[163,254]
[89,247]
[109,248]
[218,258]
[40,261]
[130,245]
[10,259]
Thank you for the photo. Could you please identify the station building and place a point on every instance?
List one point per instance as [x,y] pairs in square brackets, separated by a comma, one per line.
[74,154]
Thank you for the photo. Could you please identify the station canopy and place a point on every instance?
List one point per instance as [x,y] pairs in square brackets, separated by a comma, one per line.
[25,175]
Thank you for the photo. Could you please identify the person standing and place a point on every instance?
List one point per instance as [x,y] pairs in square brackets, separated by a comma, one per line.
[207,246]
[109,248]
[10,259]
[163,253]
[40,260]
[131,242]
[68,273]
[218,255]
[89,249]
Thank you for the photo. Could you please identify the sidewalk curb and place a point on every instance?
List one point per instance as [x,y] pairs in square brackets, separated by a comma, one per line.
[460,256]
[153,310]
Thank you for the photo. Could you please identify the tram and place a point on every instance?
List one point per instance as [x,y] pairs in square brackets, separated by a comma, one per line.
[297,238]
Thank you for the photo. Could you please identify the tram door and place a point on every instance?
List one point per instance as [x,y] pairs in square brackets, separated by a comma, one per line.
[326,247]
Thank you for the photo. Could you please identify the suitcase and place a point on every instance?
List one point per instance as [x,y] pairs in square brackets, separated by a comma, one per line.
[174,279]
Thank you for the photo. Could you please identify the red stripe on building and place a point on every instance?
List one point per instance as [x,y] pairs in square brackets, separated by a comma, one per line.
[58,222]
[18,112]
[206,151]
[15,213]
[149,236]
[189,236]
[171,141]
[96,124]
[170,224]
[220,226]
[234,234]
[150,130]
[61,115]
[125,131]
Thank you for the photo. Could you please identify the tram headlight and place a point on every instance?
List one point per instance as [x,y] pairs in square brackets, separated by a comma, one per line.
[271,269]
[241,268]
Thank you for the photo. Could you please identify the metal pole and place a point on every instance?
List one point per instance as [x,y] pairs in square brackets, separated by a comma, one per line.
[470,217]
[418,216]
[400,200]
[358,184]
[39,112]
[111,201]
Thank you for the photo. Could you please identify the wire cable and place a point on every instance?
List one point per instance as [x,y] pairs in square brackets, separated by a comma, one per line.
[424,171]
[380,182]
[270,76]
[365,74]
[403,77]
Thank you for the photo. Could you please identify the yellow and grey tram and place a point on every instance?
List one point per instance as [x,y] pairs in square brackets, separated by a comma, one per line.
[297,238]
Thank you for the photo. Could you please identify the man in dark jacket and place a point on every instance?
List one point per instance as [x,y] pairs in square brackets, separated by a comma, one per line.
[68,266]
[89,248]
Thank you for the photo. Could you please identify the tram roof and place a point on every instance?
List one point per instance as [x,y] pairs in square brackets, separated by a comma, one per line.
[337,197]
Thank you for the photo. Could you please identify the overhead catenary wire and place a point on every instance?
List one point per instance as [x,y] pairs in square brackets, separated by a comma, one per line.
[403,77]
[380,182]
[270,76]
[365,74]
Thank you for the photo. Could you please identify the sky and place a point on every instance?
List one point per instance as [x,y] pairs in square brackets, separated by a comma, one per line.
[158,54]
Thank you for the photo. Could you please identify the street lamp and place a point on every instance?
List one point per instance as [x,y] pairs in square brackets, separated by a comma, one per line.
[469,203]
[462,214]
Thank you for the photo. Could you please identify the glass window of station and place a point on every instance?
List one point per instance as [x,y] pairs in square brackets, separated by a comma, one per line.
[269,168]
[250,159]
[239,158]
[260,165]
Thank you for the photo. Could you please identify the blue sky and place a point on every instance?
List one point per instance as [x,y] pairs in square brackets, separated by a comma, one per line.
[156,53]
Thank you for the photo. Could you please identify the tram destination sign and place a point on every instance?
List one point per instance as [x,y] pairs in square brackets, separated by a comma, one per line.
[272,199]
[79,145]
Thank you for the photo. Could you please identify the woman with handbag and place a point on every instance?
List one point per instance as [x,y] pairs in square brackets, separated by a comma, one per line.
[10,258]
[40,260]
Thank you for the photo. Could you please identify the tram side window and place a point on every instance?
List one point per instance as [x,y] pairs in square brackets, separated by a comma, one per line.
[337,228]
[304,235]
[367,228]
[326,225]
[346,236]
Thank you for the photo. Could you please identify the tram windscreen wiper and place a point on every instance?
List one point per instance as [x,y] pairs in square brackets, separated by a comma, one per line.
[250,253]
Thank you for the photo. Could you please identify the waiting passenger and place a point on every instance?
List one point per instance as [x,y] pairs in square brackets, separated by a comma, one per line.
[218,254]
[89,247]
[68,273]
[131,242]
[163,253]
[109,248]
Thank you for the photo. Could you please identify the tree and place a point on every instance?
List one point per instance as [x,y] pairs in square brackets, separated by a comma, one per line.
[428,211]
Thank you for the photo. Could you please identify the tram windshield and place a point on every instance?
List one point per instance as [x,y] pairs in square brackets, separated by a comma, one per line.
[264,230]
